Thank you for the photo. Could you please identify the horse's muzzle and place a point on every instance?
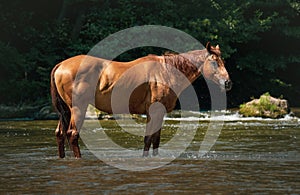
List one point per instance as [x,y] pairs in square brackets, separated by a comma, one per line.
[228,85]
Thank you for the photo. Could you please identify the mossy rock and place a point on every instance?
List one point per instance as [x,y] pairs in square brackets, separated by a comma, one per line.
[266,106]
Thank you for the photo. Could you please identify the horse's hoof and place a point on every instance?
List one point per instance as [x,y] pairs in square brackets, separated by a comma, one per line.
[77,156]
[155,152]
[61,155]
[145,153]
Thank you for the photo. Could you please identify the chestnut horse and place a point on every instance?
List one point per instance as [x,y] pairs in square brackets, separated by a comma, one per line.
[90,80]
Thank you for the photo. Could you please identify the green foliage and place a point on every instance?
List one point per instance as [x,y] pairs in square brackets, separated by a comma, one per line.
[258,39]
[265,104]
[12,73]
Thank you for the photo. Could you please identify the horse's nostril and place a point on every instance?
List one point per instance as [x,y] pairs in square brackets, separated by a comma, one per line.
[228,84]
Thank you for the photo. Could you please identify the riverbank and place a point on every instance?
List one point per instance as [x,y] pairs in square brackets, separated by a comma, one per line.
[46,112]
[27,112]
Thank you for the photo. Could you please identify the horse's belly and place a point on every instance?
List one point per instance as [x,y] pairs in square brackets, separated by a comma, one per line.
[103,103]
[135,104]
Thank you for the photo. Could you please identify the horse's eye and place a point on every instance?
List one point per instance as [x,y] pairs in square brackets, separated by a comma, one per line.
[215,64]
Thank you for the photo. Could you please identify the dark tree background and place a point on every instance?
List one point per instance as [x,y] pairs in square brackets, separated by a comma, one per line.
[260,40]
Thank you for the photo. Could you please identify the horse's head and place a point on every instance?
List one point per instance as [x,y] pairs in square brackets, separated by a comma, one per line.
[214,69]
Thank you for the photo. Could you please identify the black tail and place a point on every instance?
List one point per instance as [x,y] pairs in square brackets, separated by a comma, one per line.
[61,107]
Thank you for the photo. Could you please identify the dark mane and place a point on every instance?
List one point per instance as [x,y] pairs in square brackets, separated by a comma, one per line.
[170,53]
[186,63]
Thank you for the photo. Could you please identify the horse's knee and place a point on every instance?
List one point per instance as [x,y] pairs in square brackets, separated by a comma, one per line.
[60,137]
[58,133]
[73,134]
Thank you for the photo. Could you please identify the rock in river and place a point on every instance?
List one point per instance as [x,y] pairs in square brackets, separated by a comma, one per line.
[266,106]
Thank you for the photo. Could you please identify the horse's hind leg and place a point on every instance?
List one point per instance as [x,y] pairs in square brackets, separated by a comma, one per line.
[60,139]
[77,118]
[73,136]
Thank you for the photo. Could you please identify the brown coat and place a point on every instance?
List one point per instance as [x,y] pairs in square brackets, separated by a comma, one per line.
[127,87]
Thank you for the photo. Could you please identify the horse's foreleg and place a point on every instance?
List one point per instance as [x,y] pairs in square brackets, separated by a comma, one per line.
[155,142]
[153,138]
[153,128]
[147,145]
[60,139]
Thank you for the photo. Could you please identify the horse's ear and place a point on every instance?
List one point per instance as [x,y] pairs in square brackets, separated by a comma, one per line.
[213,50]
[208,47]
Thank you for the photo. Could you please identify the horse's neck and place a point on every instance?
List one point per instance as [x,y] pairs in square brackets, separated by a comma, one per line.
[197,58]
[190,64]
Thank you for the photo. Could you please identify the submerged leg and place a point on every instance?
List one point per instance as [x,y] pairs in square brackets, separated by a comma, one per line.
[73,136]
[155,142]
[147,144]
[77,119]
[60,140]
[153,127]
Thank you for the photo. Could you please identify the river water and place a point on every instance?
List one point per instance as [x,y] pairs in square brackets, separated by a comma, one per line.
[249,155]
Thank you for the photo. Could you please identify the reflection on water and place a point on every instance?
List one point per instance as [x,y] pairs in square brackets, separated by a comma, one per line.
[250,156]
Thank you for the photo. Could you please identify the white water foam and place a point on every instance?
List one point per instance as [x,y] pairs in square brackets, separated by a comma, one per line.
[226,116]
